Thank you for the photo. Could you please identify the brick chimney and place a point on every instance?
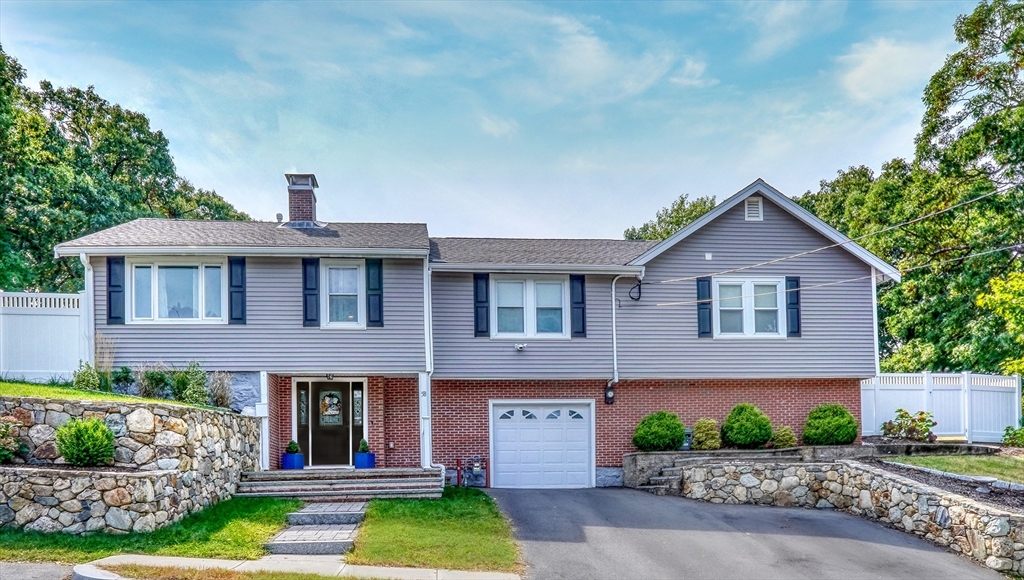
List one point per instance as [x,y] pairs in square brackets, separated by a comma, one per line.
[301,199]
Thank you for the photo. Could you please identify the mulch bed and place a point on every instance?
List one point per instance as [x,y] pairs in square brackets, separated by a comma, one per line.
[66,467]
[1013,500]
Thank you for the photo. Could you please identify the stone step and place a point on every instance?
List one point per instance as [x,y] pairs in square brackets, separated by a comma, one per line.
[655,489]
[340,474]
[343,483]
[349,495]
[329,513]
[313,539]
[665,480]
[672,471]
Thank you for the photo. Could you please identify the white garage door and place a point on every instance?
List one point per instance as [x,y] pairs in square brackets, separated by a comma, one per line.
[542,445]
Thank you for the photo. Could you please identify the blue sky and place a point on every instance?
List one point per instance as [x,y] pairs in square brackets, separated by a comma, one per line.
[501,119]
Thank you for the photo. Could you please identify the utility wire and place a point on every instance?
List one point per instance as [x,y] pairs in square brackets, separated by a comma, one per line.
[835,245]
[835,282]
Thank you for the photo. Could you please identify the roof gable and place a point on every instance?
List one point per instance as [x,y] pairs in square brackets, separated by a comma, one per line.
[760,187]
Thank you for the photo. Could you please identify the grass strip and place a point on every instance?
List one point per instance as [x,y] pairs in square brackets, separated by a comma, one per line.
[1004,467]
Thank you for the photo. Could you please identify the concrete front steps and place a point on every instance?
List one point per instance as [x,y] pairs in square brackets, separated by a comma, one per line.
[319,529]
[343,485]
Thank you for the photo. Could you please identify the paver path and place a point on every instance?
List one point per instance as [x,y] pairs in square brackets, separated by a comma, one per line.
[625,533]
[319,528]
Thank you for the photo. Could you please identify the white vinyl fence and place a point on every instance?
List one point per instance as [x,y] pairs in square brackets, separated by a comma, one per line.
[976,407]
[42,336]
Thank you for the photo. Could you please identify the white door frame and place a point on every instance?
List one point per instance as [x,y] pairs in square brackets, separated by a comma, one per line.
[322,379]
[593,427]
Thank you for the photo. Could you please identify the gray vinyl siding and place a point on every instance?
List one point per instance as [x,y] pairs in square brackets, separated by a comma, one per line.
[836,321]
[273,338]
[458,354]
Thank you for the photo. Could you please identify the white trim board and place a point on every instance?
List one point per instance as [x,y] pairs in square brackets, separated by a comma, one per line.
[760,187]
[277,251]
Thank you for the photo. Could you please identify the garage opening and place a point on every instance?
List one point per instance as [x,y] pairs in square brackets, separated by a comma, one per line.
[542,444]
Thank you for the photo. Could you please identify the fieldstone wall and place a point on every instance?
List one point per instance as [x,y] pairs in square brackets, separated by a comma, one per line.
[987,534]
[187,459]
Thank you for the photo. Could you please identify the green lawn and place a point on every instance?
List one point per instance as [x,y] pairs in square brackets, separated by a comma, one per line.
[1004,467]
[160,573]
[232,529]
[8,389]
[461,531]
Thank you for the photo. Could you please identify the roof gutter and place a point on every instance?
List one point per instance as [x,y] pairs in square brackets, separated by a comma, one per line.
[611,270]
[64,251]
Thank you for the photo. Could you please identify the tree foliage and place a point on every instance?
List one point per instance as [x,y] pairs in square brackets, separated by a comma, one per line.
[72,163]
[1006,299]
[672,218]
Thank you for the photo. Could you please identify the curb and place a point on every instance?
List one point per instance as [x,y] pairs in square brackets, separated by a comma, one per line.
[90,572]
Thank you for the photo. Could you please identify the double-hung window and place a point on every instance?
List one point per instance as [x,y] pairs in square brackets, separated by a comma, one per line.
[178,292]
[530,307]
[752,307]
[343,295]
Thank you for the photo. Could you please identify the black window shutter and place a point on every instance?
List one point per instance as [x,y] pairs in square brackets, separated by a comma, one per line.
[236,290]
[792,306]
[374,292]
[115,289]
[481,307]
[311,292]
[578,303]
[705,326]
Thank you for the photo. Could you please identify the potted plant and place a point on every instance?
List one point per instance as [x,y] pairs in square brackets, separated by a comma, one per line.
[292,458]
[365,459]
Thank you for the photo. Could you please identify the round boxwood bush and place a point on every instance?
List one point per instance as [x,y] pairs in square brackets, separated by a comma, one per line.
[706,436]
[86,443]
[783,438]
[661,431]
[830,424]
[746,427]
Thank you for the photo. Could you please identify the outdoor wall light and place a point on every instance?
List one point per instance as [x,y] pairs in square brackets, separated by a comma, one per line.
[609,394]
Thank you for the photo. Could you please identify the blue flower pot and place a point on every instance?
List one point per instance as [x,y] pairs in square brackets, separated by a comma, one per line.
[366,460]
[292,460]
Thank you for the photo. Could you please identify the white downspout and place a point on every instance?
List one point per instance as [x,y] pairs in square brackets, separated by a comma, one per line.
[426,416]
[263,412]
[87,335]
[615,336]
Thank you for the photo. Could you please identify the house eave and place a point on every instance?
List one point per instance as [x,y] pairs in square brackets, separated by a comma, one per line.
[64,251]
[610,270]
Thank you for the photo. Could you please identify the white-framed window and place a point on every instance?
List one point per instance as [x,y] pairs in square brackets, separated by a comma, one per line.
[177,291]
[342,294]
[535,307]
[749,307]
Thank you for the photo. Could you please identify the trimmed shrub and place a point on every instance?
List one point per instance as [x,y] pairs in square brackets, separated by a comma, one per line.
[292,447]
[783,438]
[122,379]
[10,445]
[661,431]
[1013,437]
[195,392]
[830,424]
[917,427]
[86,378]
[746,427]
[86,443]
[153,381]
[364,447]
[220,389]
[706,436]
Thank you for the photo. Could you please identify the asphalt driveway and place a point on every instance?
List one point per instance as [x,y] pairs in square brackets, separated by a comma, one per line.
[624,533]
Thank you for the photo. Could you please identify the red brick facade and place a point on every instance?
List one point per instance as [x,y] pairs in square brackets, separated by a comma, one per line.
[460,419]
[393,425]
[301,205]
[460,422]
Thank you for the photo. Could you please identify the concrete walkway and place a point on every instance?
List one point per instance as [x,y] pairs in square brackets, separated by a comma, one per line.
[328,566]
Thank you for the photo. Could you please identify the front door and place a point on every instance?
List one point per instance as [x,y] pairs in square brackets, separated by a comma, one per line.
[329,420]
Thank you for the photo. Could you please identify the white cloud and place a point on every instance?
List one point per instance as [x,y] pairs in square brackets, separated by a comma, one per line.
[691,74]
[883,69]
[498,127]
[782,25]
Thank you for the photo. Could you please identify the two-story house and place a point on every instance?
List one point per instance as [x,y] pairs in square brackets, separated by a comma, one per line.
[539,355]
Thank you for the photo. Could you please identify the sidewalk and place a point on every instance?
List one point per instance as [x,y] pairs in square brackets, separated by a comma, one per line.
[328,566]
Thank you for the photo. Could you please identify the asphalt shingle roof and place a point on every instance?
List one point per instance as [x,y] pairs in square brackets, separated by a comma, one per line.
[536,251]
[156,232]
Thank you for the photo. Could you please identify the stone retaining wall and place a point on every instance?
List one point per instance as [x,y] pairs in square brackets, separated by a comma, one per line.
[187,458]
[989,535]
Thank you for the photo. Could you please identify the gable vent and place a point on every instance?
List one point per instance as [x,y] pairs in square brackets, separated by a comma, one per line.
[752,209]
